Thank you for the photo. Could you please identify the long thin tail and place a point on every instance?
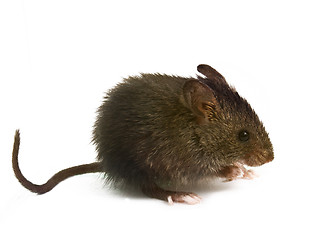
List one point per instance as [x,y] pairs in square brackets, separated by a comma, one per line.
[53,181]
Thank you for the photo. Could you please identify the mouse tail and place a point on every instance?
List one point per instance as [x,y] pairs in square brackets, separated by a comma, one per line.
[53,181]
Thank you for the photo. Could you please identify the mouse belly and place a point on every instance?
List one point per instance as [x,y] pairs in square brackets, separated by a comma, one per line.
[136,169]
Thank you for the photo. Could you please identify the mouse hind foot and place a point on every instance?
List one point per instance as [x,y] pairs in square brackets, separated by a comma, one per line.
[171,197]
[183,197]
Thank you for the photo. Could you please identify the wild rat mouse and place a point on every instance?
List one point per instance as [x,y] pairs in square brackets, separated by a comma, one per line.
[154,130]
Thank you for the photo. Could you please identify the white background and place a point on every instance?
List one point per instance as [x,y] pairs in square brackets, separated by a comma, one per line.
[57,60]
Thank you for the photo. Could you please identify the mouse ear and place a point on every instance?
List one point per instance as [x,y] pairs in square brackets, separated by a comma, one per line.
[200,98]
[210,73]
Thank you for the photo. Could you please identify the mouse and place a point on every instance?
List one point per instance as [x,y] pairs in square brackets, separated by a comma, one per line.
[154,131]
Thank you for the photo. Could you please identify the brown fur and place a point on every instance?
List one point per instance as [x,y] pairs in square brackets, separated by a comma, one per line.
[154,130]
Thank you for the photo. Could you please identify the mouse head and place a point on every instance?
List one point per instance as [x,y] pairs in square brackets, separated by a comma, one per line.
[231,128]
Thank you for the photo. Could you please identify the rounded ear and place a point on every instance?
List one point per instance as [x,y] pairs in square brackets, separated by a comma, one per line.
[201,100]
[210,73]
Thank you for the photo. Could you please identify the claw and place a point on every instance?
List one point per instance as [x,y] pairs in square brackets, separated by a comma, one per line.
[170,200]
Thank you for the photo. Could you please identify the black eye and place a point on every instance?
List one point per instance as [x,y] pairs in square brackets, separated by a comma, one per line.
[243,136]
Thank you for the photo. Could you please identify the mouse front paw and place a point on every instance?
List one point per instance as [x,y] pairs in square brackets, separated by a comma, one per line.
[231,173]
[249,174]
[237,171]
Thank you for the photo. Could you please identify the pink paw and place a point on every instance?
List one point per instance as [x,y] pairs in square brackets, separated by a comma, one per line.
[238,171]
[233,173]
[188,198]
[249,174]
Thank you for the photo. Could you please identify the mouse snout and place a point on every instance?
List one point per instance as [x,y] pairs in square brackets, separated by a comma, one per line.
[268,153]
[265,157]
[264,154]
[259,158]
[270,157]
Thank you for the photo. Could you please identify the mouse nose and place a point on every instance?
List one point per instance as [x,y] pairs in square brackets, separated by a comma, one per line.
[269,156]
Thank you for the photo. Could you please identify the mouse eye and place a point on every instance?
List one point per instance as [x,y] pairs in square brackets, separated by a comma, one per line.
[243,136]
